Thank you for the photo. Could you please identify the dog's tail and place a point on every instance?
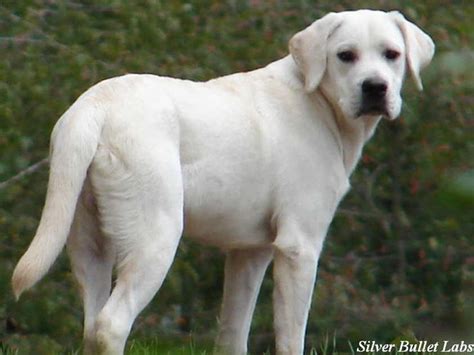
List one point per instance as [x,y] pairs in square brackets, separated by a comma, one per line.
[74,142]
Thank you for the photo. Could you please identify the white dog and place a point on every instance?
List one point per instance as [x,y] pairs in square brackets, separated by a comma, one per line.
[254,163]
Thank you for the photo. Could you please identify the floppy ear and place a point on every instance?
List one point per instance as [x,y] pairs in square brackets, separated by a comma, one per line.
[419,47]
[308,49]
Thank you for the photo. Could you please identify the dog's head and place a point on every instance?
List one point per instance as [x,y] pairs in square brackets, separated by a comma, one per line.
[358,59]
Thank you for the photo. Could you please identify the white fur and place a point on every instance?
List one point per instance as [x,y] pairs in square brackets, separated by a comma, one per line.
[255,163]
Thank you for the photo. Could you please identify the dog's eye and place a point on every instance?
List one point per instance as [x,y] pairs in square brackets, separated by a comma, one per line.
[391,54]
[347,56]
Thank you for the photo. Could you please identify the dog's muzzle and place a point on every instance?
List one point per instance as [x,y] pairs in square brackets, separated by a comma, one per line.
[374,92]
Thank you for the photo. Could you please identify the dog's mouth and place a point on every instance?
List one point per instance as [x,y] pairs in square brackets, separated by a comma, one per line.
[373,109]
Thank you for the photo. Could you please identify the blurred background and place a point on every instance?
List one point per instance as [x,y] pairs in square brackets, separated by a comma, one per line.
[398,262]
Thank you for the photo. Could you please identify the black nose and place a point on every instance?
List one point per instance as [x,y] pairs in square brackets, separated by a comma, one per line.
[374,88]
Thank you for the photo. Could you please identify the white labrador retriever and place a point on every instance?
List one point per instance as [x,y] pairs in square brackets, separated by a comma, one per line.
[255,163]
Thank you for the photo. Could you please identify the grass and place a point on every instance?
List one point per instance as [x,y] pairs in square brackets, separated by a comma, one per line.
[163,347]
[158,347]
[7,350]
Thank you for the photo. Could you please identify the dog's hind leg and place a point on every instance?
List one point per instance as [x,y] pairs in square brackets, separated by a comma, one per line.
[92,260]
[140,198]
[244,272]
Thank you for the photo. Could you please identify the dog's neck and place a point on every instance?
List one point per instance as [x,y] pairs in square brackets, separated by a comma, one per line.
[354,132]
[354,137]
[350,134]
[287,71]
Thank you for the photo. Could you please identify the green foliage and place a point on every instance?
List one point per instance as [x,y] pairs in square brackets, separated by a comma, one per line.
[162,346]
[399,257]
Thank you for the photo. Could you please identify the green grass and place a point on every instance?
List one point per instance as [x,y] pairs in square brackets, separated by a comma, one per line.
[7,350]
[170,347]
[158,347]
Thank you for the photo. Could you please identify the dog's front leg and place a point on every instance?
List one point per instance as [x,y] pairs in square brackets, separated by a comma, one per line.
[244,271]
[294,273]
